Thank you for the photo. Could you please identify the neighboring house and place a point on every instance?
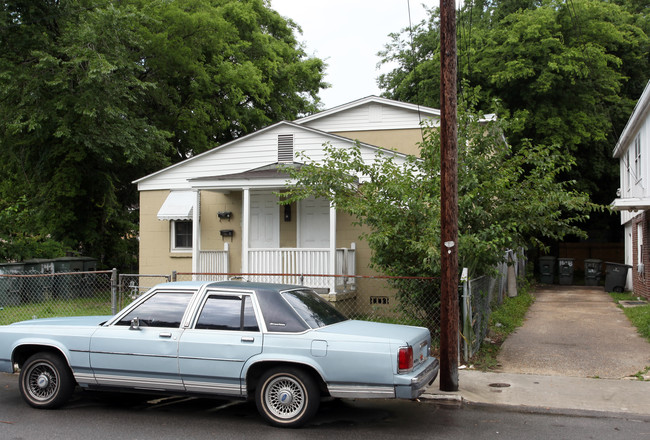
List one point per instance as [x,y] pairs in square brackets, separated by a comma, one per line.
[633,152]
[218,212]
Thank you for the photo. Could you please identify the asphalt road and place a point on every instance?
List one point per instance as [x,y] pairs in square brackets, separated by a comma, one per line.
[101,416]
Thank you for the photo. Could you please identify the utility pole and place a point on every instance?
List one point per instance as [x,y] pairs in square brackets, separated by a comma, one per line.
[448,199]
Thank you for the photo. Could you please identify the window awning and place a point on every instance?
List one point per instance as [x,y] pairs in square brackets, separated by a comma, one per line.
[177,206]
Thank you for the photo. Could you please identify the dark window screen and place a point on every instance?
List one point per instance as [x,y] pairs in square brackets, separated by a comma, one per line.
[183,234]
[228,313]
[163,309]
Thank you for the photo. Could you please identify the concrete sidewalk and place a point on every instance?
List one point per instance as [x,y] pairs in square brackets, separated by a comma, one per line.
[529,391]
[575,351]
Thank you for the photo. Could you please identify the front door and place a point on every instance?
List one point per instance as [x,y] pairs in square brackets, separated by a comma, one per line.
[314,223]
[264,220]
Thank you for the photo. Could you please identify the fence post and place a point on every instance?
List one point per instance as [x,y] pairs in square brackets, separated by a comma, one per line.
[464,278]
[114,291]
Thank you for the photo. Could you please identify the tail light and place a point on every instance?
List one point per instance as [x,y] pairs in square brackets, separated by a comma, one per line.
[405,359]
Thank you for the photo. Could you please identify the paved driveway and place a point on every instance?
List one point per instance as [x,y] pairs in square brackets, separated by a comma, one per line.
[575,331]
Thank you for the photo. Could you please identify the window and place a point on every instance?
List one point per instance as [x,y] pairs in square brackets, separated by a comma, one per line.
[637,158]
[628,171]
[313,309]
[222,312]
[163,309]
[181,235]
[639,242]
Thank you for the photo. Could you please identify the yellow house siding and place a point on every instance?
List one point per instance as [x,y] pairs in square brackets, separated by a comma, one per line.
[155,236]
[213,202]
[404,141]
[288,229]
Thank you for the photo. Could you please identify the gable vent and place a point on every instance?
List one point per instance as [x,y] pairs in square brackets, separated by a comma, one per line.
[285,148]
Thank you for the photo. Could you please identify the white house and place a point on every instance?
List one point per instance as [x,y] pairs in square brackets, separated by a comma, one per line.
[633,198]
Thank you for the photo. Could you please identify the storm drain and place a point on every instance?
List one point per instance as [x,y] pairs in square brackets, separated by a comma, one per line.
[633,303]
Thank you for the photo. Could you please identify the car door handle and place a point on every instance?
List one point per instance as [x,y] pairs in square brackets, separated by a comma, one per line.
[248,339]
[165,335]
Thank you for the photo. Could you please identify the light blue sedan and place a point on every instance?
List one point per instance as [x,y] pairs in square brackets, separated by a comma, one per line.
[282,345]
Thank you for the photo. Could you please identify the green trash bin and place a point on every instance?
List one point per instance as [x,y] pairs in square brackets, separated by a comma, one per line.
[89,280]
[10,287]
[593,271]
[615,276]
[68,285]
[547,269]
[565,266]
[37,288]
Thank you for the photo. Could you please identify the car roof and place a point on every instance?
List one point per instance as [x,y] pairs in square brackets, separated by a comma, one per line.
[274,308]
[232,284]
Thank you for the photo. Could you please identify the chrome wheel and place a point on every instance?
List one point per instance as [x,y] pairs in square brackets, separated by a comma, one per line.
[42,381]
[46,381]
[285,397]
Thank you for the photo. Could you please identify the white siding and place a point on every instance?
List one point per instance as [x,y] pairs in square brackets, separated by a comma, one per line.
[631,184]
[251,152]
[370,116]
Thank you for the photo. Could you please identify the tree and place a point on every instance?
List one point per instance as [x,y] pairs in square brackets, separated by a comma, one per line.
[223,69]
[568,74]
[507,198]
[94,95]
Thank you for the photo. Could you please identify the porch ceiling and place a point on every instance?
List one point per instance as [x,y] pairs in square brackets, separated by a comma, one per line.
[269,176]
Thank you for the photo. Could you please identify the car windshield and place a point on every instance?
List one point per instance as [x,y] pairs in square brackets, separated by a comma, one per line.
[312,308]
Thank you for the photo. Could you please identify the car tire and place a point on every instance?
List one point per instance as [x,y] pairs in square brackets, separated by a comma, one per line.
[46,381]
[287,397]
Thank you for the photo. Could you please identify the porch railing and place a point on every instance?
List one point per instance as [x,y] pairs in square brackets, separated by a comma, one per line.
[214,262]
[296,263]
[300,263]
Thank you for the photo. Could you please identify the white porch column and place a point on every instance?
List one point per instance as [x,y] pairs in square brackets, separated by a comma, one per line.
[332,262]
[245,229]
[196,230]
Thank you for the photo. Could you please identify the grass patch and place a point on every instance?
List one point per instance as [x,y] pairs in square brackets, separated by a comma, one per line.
[100,304]
[503,320]
[639,316]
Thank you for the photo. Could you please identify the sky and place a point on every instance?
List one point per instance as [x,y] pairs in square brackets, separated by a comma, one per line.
[347,34]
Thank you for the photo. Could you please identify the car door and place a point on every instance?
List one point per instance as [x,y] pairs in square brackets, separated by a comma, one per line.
[223,337]
[144,355]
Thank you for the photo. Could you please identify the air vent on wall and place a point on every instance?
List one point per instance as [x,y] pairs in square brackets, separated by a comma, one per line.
[285,148]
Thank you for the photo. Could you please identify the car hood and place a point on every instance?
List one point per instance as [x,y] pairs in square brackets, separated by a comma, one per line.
[68,321]
[366,329]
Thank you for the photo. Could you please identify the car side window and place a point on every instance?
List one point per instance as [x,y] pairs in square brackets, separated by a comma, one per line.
[162,309]
[224,312]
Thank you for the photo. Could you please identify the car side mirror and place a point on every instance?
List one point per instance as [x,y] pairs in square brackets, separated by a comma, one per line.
[135,324]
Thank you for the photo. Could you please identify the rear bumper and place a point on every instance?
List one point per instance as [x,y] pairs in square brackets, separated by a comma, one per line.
[418,383]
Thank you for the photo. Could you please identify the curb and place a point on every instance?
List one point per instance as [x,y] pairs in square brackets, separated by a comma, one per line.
[443,398]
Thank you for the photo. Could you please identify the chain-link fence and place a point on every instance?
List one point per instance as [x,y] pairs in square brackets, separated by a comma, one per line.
[481,294]
[402,300]
[130,286]
[28,296]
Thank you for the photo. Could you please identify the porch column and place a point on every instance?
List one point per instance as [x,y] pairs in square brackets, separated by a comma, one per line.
[196,230]
[332,262]
[245,228]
